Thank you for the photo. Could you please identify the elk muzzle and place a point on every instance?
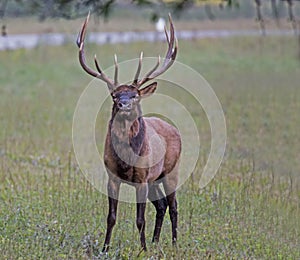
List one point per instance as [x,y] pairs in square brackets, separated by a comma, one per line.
[124,104]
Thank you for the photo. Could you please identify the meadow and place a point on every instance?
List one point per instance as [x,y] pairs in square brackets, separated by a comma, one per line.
[250,210]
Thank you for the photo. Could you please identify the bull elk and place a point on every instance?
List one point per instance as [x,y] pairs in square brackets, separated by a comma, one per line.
[129,147]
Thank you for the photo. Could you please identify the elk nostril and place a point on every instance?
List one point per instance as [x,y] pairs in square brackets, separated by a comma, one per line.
[124,105]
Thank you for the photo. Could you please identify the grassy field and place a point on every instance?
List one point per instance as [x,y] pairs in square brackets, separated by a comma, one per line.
[250,210]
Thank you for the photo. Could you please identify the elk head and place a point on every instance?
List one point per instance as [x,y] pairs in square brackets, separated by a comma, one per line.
[126,98]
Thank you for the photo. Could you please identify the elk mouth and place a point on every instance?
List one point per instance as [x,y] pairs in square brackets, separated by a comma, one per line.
[125,113]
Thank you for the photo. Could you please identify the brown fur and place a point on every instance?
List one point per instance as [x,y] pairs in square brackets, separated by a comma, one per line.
[138,139]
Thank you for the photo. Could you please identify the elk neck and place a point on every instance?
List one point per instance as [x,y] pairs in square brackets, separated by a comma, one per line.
[128,130]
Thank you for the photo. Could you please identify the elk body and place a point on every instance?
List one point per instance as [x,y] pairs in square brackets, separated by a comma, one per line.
[139,151]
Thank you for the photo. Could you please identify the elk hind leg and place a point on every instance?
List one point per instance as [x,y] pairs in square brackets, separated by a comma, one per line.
[170,183]
[172,202]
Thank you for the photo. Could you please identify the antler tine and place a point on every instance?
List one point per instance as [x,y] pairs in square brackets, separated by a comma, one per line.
[154,68]
[166,33]
[167,62]
[102,76]
[97,65]
[81,34]
[80,44]
[116,70]
[169,59]
[146,77]
[137,74]
[172,39]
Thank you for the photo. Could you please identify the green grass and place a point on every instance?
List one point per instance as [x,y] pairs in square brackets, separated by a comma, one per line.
[249,211]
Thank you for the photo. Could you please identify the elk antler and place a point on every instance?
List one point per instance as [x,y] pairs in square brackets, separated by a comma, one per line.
[169,59]
[100,74]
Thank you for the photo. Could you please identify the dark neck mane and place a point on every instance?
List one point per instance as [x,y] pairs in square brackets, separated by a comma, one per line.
[127,135]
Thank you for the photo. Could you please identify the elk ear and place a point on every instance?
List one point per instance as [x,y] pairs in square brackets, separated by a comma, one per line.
[148,90]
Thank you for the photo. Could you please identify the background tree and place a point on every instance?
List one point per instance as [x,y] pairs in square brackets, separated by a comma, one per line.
[70,9]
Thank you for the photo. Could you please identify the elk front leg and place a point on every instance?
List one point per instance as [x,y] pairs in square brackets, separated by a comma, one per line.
[113,188]
[170,184]
[160,203]
[173,215]
[141,198]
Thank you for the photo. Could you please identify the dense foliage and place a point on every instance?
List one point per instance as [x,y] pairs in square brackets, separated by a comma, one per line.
[70,9]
